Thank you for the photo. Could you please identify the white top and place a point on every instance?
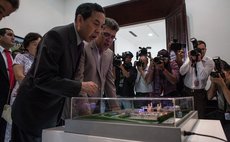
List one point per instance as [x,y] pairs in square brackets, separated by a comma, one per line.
[141,85]
[207,127]
[204,69]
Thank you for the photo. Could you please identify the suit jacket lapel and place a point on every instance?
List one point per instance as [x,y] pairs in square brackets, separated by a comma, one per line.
[73,46]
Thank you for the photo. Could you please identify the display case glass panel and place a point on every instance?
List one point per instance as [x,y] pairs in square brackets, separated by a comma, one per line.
[149,111]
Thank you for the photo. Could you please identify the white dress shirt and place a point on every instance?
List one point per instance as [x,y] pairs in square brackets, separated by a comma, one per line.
[204,68]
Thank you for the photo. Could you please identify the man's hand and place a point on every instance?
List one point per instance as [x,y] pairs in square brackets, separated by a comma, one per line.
[89,88]
[160,66]
[194,58]
[218,80]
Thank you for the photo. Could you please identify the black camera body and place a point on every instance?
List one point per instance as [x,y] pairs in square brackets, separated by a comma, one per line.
[214,74]
[196,51]
[117,60]
[139,63]
[160,59]
[218,68]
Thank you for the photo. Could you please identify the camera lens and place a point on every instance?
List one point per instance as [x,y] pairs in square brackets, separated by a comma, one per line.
[157,60]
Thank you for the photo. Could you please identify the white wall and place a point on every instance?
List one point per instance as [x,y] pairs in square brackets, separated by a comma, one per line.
[209,20]
[71,5]
[42,15]
[35,16]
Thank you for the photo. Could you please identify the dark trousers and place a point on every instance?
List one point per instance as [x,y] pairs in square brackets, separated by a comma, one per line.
[19,135]
[200,100]
[2,129]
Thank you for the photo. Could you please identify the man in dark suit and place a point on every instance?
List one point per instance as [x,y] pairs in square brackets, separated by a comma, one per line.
[96,64]
[6,42]
[42,93]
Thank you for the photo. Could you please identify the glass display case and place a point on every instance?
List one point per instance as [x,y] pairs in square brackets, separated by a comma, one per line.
[121,117]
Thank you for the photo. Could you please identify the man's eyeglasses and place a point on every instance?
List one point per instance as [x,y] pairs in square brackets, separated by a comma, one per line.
[108,35]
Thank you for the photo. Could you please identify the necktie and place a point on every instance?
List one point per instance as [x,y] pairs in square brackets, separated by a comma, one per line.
[10,67]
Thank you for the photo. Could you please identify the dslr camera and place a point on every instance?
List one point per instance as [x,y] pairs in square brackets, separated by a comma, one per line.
[117,60]
[160,59]
[196,51]
[139,63]
[218,68]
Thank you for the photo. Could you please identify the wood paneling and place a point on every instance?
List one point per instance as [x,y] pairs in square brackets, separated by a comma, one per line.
[139,11]
[176,25]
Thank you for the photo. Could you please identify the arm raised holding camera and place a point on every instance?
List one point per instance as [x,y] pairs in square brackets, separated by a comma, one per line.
[223,84]
[149,75]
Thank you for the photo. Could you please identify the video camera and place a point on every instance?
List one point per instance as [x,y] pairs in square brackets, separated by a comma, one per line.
[142,52]
[117,59]
[218,68]
[175,46]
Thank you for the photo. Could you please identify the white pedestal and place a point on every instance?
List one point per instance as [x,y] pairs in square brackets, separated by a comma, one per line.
[207,127]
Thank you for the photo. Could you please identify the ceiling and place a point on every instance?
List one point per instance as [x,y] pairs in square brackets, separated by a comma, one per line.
[146,34]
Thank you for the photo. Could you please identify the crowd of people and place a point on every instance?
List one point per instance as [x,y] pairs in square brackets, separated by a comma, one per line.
[75,60]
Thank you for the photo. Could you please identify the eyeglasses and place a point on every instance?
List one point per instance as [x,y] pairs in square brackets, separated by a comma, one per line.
[108,35]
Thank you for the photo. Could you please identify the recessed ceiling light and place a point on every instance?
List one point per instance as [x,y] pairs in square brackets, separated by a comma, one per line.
[150,34]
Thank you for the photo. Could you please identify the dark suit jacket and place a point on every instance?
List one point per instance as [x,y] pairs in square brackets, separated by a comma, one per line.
[4,83]
[40,101]
[4,91]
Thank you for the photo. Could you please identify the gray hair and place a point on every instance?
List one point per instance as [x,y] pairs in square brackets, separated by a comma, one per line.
[111,23]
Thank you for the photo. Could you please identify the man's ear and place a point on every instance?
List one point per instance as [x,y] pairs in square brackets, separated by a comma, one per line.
[79,20]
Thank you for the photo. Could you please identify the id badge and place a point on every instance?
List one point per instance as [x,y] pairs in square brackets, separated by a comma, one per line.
[227,116]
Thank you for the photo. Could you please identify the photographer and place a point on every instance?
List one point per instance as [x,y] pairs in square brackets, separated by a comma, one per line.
[125,76]
[141,87]
[197,69]
[176,51]
[220,87]
[164,74]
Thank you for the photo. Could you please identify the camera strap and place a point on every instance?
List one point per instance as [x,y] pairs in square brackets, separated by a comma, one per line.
[195,69]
